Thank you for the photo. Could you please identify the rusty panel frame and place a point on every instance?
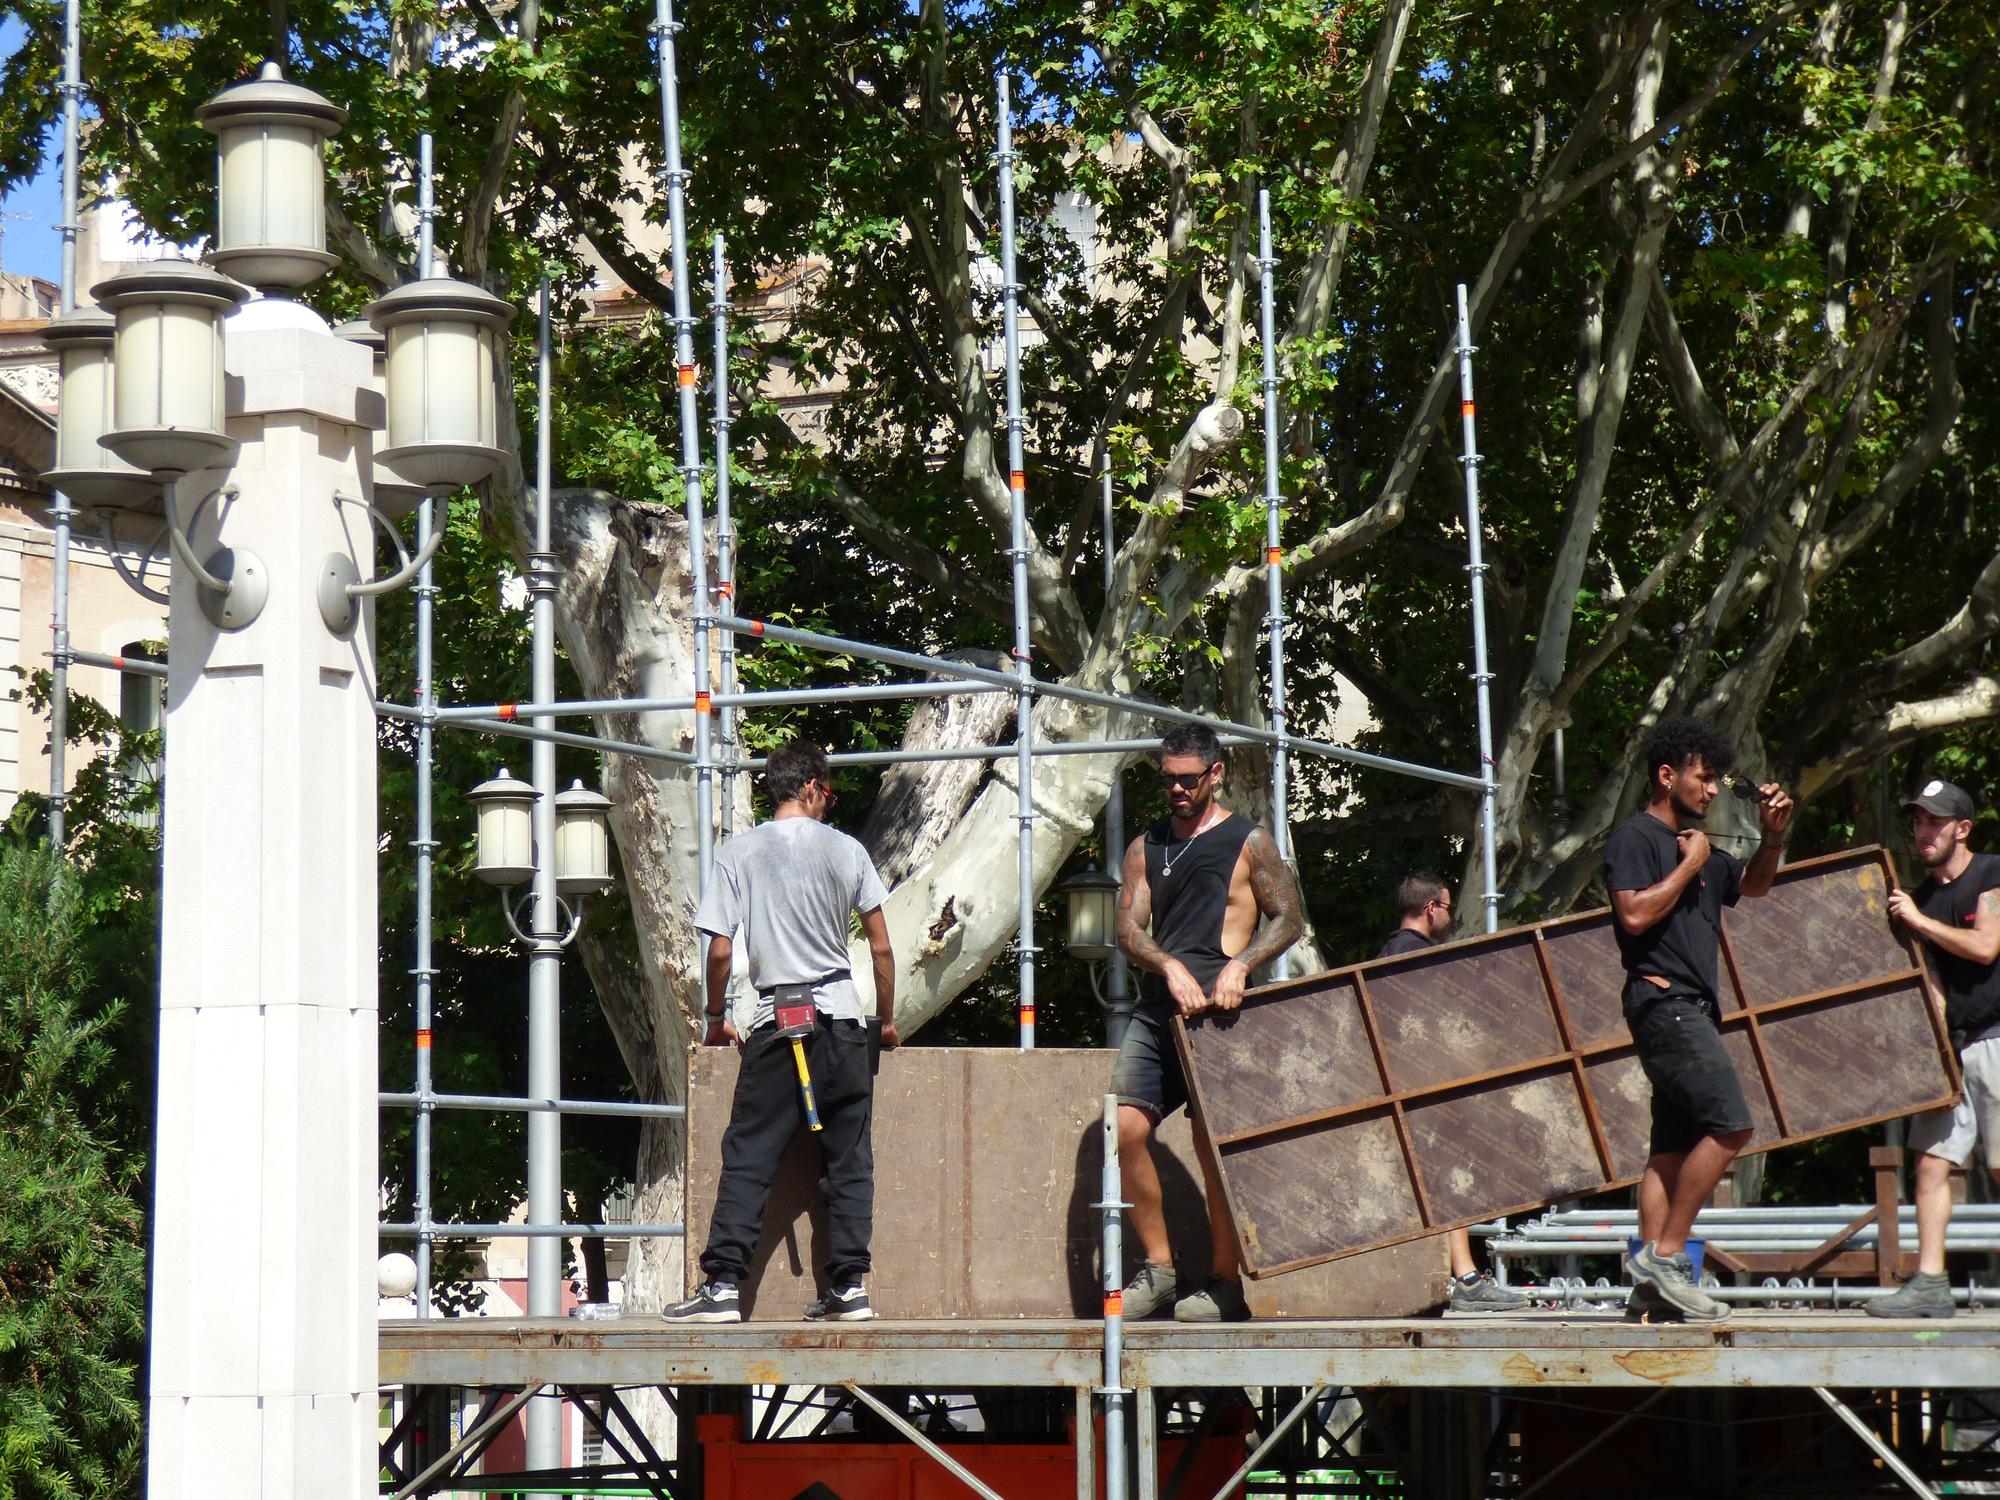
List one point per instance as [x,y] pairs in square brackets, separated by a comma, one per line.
[1748,1013]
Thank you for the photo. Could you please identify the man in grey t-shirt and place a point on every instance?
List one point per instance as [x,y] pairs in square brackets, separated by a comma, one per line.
[790,887]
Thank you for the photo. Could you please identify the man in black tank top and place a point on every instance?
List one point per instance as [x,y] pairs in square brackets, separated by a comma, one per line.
[1956,914]
[1196,885]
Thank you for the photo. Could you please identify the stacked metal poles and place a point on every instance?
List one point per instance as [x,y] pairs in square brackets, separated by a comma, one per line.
[1017,484]
[424,844]
[60,512]
[1274,617]
[676,178]
[1119,994]
[545,1194]
[1482,679]
[725,537]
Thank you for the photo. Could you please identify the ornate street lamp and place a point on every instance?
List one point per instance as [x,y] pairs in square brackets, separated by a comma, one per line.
[85,469]
[167,410]
[583,841]
[506,830]
[271,175]
[1093,914]
[443,373]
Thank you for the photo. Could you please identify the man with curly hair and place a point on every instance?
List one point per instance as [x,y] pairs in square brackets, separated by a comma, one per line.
[1668,888]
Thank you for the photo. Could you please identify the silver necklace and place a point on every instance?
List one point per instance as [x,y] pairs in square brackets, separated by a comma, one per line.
[1167,860]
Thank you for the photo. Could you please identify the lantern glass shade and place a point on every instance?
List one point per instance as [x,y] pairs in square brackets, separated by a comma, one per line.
[392,496]
[167,409]
[583,841]
[1093,915]
[85,469]
[443,371]
[506,830]
[270,148]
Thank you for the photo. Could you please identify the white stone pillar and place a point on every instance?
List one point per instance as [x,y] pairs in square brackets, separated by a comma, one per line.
[263,1325]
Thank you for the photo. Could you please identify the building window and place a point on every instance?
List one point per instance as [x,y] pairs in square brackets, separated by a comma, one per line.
[141,699]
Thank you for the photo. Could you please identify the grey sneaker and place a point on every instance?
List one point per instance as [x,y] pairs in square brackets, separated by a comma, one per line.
[843,1304]
[1218,1301]
[1645,1305]
[1150,1290]
[1924,1295]
[714,1303]
[1480,1293]
[1672,1280]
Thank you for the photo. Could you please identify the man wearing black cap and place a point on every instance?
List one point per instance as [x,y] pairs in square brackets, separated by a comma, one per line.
[1956,911]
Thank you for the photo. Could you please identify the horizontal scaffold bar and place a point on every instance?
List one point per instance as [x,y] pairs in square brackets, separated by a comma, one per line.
[535,1106]
[767,698]
[531,1231]
[542,732]
[137,666]
[911,661]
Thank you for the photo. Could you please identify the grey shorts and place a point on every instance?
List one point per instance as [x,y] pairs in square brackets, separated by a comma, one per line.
[1953,1133]
[1148,1072]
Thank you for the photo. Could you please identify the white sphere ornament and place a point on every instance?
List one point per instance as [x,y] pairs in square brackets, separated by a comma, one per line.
[396,1275]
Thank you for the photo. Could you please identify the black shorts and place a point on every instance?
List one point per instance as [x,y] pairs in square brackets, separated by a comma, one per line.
[1148,1072]
[1695,1088]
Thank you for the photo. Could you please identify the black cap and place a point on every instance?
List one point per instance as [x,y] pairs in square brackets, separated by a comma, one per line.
[1942,799]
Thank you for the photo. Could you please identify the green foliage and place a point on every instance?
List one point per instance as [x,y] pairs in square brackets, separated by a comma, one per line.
[72,1256]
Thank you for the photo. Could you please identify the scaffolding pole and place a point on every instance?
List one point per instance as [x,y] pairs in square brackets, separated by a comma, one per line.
[725,539]
[61,512]
[665,27]
[1017,489]
[545,1193]
[1114,1392]
[1482,677]
[1274,573]
[1118,988]
[424,844]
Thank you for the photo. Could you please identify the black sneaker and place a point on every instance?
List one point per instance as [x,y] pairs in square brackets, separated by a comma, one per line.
[714,1303]
[1219,1301]
[844,1304]
[1480,1293]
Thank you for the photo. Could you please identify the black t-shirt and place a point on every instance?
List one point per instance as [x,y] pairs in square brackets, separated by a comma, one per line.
[1682,946]
[1971,990]
[1404,940]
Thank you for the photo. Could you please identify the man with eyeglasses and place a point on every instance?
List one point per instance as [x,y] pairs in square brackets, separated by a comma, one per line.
[1423,908]
[1196,886]
[791,885]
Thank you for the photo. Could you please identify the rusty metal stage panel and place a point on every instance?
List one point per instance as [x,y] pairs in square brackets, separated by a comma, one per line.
[986,1164]
[1365,1106]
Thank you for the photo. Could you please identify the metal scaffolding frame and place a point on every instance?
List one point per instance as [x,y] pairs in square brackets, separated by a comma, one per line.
[716,608]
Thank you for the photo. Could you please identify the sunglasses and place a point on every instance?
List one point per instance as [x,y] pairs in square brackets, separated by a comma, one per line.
[1185,781]
[828,792]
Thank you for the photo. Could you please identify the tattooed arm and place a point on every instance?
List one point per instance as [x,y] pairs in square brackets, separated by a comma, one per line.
[1278,904]
[1135,918]
[1980,943]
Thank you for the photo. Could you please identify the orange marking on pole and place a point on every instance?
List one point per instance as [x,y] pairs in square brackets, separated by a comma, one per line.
[726,590]
[1027,1015]
[1114,1304]
[424,1040]
[756,627]
[687,374]
[118,663]
[1465,408]
[1017,480]
[1273,555]
[507,712]
[703,704]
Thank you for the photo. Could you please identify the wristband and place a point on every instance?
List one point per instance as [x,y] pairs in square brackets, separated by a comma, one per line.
[717,1015]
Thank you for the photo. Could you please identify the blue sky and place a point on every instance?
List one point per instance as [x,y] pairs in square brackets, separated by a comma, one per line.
[31,243]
